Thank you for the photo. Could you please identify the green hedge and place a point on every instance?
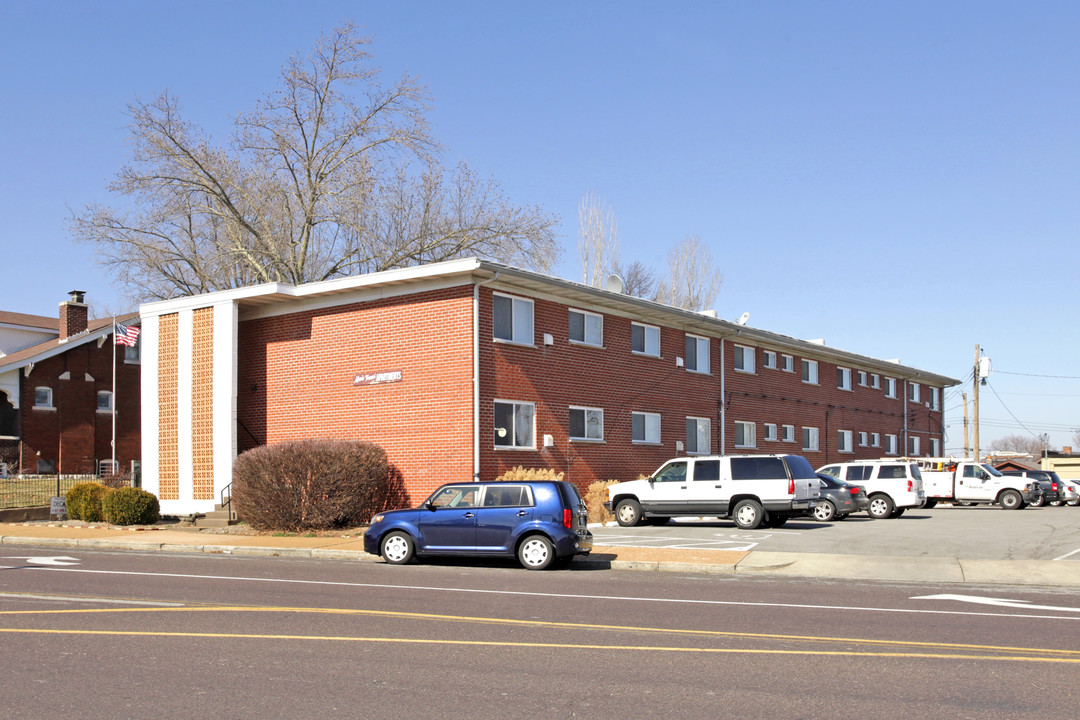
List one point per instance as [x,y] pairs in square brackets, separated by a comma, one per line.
[84,502]
[130,506]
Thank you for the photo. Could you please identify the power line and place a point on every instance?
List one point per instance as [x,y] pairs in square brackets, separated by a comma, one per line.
[1055,377]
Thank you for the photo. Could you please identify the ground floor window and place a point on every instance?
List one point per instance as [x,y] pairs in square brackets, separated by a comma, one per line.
[514,424]
[646,427]
[698,435]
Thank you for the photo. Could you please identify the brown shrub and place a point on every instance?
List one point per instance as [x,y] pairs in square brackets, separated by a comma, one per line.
[595,497]
[520,474]
[310,484]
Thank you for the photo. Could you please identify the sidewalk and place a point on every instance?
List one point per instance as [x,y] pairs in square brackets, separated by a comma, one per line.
[757,563]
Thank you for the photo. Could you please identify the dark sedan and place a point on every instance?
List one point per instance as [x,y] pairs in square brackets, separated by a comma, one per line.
[839,499]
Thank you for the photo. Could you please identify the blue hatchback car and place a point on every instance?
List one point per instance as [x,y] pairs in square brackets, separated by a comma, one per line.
[541,523]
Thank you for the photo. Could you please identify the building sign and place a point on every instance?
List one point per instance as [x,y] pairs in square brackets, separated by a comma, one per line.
[377,378]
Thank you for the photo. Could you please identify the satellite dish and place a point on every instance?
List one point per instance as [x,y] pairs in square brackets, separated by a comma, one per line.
[744,318]
[614,284]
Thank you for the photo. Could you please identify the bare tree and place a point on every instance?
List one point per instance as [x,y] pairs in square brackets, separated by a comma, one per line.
[1026,444]
[638,279]
[598,242]
[332,174]
[692,282]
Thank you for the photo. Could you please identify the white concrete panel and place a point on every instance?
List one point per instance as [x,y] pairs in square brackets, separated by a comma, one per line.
[151,478]
[185,323]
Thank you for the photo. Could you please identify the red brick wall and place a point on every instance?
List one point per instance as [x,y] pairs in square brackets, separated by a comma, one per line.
[295,381]
[613,378]
[74,435]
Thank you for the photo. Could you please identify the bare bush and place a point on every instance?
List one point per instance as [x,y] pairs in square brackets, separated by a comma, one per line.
[310,484]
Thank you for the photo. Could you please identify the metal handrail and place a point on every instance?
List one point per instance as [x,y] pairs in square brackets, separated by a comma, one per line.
[226,495]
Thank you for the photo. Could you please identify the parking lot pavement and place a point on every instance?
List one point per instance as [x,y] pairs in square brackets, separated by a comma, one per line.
[975,533]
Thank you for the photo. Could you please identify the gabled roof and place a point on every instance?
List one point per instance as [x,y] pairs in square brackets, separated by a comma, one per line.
[95,330]
[36,322]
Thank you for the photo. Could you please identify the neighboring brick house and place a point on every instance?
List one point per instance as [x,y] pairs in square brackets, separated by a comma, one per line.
[57,404]
[467,368]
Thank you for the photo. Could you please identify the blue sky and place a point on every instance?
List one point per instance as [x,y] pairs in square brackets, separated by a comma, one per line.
[900,179]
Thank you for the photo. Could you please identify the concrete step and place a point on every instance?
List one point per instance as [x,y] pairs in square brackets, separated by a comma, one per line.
[220,517]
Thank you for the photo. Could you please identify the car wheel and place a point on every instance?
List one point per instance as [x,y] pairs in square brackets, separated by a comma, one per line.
[628,513]
[881,506]
[1073,503]
[536,552]
[825,511]
[841,517]
[897,512]
[1056,503]
[1038,501]
[748,514]
[398,548]
[1010,500]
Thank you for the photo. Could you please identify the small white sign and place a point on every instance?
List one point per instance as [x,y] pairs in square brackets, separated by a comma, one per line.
[58,506]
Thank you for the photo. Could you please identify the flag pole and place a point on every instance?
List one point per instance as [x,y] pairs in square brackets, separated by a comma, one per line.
[113,349]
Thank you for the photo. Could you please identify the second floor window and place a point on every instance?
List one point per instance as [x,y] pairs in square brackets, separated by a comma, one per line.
[586,327]
[513,319]
[697,354]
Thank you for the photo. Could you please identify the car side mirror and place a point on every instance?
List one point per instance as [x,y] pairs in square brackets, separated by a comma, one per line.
[428,506]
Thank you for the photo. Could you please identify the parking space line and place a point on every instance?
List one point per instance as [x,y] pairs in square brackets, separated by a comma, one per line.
[1068,554]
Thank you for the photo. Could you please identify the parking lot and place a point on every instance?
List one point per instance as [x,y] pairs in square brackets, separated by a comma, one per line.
[980,532]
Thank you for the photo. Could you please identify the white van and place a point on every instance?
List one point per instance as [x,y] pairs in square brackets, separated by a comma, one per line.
[893,486]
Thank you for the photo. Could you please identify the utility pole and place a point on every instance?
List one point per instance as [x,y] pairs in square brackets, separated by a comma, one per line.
[975,402]
[967,448]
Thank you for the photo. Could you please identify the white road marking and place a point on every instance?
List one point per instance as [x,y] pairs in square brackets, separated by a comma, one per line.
[549,595]
[51,560]
[1068,554]
[110,601]
[1000,602]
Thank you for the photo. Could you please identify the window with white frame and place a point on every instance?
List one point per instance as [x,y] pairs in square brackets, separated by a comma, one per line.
[890,387]
[809,371]
[744,359]
[104,401]
[697,353]
[745,434]
[875,439]
[586,423]
[875,381]
[890,444]
[935,447]
[913,392]
[914,446]
[645,339]
[43,397]
[935,400]
[107,467]
[768,359]
[698,435]
[770,432]
[809,438]
[864,439]
[861,378]
[645,427]
[843,378]
[787,363]
[586,328]
[789,433]
[514,424]
[843,441]
[513,319]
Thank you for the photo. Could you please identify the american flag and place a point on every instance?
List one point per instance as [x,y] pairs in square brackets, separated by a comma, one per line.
[126,335]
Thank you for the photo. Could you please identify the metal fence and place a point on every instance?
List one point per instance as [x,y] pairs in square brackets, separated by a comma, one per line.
[20,491]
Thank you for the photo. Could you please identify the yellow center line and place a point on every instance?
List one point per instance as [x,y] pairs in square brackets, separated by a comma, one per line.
[1067,654]
[539,645]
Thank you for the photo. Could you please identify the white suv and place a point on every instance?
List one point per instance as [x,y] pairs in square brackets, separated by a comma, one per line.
[892,485]
[751,489]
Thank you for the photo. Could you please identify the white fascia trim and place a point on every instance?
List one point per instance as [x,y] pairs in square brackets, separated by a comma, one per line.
[349,297]
[337,285]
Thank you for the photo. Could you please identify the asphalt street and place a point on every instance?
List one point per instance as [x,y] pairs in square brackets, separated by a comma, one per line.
[128,634]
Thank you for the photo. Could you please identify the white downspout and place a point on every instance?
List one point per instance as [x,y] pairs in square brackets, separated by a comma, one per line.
[723,404]
[476,374]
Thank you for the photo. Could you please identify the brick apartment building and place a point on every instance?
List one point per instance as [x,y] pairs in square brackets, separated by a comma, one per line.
[467,368]
[57,403]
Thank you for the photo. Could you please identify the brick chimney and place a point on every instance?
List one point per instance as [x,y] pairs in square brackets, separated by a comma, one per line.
[73,315]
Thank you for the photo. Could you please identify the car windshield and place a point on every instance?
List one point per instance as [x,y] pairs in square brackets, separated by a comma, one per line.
[992,471]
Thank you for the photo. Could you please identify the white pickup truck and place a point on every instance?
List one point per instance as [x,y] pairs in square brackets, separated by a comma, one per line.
[753,490]
[966,481]
[892,485]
